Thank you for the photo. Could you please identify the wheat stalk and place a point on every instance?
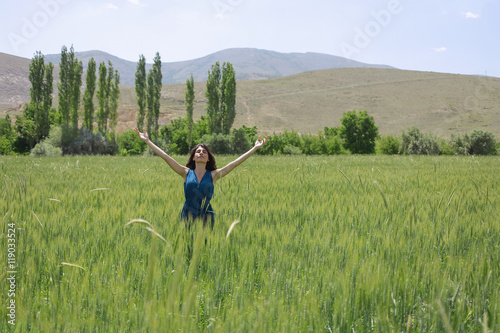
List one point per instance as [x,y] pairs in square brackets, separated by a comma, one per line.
[72,265]
[37,219]
[99,189]
[138,221]
[446,321]
[157,234]
[231,228]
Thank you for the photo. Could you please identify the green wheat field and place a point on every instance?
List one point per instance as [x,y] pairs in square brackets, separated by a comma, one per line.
[323,244]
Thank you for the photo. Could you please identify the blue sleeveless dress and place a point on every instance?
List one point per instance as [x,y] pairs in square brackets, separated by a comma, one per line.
[198,195]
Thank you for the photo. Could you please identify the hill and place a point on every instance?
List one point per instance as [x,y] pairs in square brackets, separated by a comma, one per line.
[14,81]
[434,102]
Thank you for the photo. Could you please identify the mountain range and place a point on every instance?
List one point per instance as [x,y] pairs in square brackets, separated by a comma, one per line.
[248,63]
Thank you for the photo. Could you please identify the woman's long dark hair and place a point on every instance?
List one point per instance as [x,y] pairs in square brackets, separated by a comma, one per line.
[211,166]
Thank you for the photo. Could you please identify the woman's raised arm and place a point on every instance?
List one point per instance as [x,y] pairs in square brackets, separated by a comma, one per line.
[179,169]
[219,173]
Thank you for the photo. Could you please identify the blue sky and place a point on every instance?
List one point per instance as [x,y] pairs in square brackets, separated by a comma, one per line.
[451,36]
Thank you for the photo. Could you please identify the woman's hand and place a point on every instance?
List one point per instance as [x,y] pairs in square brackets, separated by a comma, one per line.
[143,136]
[259,143]
[219,173]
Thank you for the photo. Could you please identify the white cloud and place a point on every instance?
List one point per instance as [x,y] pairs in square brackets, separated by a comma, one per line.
[136,2]
[440,49]
[111,6]
[471,15]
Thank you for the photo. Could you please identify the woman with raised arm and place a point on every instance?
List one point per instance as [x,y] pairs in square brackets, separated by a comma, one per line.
[200,175]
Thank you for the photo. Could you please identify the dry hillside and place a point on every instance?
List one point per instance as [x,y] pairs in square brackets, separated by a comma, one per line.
[14,73]
[438,103]
[307,102]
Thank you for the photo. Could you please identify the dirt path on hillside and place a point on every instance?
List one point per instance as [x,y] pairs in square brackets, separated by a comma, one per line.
[247,110]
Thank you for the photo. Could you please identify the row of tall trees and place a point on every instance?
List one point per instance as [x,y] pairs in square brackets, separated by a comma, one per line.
[108,94]
[70,82]
[39,115]
[34,125]
[88,95]
[216,126]
[220,94]
[148,93]
[102,84]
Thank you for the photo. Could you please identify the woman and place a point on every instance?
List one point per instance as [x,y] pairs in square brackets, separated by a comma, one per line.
[200,175]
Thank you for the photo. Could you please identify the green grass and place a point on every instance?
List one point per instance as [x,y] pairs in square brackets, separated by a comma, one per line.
[349,243]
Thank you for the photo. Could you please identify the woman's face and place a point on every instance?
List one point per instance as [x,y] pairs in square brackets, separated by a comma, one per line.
[201,155]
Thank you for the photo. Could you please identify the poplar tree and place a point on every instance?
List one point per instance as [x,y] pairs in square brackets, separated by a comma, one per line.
[150,102]
[221,95]
[64,91]
[140,90]
[212,94]
[109,85]
[157,82]
[48,89]
[113,102]
[35,109]
[228,97]
[108,94]
[190,107]
[38,110]
[102,117]
[88,96]
[76,94]
[70,82]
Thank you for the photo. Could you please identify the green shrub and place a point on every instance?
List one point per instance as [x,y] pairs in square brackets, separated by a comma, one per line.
[55,137]
[5,145]
[477,143]
[251,133]
[218,143]
[359,132]
[291,143]
[334,145]
[291,150]
[129,143]
[45,149]
[274,146]
[239,142]
[387,145]
[20,145]
[291,138]
[179,142]
[176,136]
[414,142]
[482,143]
[312,145]
[91,144]
[7,136]
[163,145]
[460,144]
[446,149]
